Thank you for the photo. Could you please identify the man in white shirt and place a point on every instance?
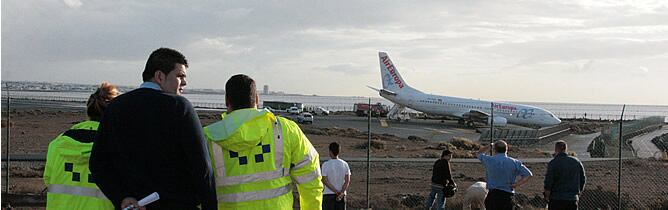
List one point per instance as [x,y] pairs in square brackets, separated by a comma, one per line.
[336,177]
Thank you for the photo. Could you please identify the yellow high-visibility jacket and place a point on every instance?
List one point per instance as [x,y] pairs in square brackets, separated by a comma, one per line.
[256,155]
[66,174]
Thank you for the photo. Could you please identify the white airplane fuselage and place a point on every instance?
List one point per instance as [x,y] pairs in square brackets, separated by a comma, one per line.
[396,90]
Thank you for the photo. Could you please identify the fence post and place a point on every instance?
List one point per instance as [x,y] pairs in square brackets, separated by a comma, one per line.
[9,128]
[619,169]
[368,158]
[491,129]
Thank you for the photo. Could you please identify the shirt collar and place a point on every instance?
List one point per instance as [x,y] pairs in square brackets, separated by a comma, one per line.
[151,85]
[501,154]
[561,154]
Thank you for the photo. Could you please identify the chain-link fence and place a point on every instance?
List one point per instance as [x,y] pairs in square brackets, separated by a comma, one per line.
[406,185]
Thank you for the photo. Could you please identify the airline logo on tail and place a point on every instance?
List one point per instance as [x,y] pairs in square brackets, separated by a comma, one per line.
[390,67]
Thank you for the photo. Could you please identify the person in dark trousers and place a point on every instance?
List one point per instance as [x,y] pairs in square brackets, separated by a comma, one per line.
[502,172]
[150,140]
[565,179]
[441,177]
[336,178]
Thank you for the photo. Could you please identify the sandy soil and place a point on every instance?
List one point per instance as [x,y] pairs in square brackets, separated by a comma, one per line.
[394,185]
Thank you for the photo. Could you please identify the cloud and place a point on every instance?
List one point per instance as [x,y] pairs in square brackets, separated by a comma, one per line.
[347,68]
[587,66]
[74,4]
[335,43]
[643,70]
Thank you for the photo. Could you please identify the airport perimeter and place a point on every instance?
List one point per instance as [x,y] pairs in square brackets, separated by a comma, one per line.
[402,157]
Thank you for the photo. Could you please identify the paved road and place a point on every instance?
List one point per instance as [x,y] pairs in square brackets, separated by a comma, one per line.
[643,144]
[23,104]
[434,130]
[576,143]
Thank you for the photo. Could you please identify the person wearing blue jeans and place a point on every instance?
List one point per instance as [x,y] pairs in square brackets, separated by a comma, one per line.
[441,177]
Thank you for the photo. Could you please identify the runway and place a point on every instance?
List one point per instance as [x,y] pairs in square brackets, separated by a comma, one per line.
[433,130]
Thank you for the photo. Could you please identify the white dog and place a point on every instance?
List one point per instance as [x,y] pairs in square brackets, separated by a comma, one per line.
[474,197]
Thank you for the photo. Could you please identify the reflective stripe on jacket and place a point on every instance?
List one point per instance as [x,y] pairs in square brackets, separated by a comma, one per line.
[66,174]
[256,156]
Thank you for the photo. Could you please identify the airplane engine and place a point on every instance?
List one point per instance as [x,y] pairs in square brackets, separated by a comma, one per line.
[498,121]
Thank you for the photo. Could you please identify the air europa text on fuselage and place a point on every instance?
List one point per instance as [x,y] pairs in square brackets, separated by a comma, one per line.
[390,68]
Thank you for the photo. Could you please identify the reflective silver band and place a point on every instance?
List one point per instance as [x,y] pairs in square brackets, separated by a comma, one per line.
[74,190]
[307,177]
[312,153]
[278,143]
[256,195]
[235,180]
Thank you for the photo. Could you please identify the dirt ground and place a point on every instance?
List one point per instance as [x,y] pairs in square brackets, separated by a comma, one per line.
[393,185]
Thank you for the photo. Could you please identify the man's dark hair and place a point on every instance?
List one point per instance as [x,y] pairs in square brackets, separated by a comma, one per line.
[561,145]
[446,153]
[240,91]
[500,146]
[334,148]
[164,60]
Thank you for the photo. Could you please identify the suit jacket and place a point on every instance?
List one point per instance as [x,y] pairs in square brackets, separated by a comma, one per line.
[150,141]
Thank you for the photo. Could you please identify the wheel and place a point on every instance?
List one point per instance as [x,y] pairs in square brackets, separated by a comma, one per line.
[470,124]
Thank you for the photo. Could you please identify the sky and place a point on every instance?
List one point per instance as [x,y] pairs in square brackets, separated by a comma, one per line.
[570,51]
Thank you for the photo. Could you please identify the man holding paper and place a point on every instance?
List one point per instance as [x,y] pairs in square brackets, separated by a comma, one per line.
[151,140]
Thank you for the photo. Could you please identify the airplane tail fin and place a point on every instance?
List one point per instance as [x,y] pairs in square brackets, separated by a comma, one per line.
[392,80]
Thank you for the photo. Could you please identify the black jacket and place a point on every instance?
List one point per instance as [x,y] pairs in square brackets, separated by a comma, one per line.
[442,174]
[565,177]
[150,141]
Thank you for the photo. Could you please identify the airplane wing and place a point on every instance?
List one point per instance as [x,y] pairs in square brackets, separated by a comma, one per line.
[383,91]
[376,89]
[474,113]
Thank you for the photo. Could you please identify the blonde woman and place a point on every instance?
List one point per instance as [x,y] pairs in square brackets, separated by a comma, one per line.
[70,185]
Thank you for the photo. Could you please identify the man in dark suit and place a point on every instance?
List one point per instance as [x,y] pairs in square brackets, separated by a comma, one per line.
[150,140]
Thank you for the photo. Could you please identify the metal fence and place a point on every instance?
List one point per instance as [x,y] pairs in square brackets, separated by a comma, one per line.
[396,184]
[406,185]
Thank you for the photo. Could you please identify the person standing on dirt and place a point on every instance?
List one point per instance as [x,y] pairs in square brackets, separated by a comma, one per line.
[502,172]
[151,140]
[565,179]
[66,173]
[441,177]
[336,177]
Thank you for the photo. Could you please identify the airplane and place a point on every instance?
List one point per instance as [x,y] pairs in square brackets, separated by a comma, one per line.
[468,111]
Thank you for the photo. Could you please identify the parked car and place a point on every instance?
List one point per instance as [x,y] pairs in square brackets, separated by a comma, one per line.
[321,111]
[305,118]
[293,110]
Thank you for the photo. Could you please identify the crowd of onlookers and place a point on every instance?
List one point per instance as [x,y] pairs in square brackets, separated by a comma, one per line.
[564,180]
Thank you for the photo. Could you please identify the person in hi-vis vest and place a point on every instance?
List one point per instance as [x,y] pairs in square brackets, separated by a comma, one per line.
[256,155]
[66,175]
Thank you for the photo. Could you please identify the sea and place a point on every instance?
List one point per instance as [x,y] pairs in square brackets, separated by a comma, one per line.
[346,103]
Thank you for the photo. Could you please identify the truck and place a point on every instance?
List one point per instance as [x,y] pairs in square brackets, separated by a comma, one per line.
[362,109]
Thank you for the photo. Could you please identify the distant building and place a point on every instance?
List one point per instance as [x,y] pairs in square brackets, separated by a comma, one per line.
[265,91]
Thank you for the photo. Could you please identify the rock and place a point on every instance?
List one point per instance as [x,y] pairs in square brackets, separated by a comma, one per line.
[412,201]
[417,138]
